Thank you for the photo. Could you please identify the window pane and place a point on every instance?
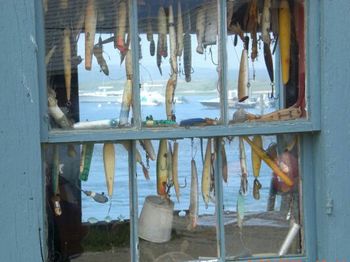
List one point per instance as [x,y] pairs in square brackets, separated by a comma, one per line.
[266,60]
[178,68]
[177,211]
[87,212]
[89,67]
[262,209]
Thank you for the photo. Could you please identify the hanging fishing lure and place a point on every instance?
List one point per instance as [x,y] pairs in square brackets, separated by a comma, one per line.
[162,170]
[127,93]
[90,30]
[206,174]
[175,173]
[187,59]
[109,166]
[256,163]
[244,171]
[55,174]
[200,29]
[121,27]
[179,31]
[150,36]
[285,37]
[194,197]
[243,73]
[67,56]
[85,161]
[98,53]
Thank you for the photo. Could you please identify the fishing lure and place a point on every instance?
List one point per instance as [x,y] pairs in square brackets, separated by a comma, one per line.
[138,158]
[264,156]
[127,93]
[67,62]
[150,36]
[268,61]
[244,171]
[224,162]
[96,124]
[55,112]
[200,29]
[148,147]
[173,45]
[206,174]
[169,98]
[256,159]
[162,170]
[98,53]
[240,207]
[55,181]
[99,198]
[169,163]
[175,170]
[197,122]
[243,73]
[256,189]
[121,27]
[179,31]
[266,22]
[90,30]
[187,59]
[194,198]
[85,161]
[285,37]
[211,25]
[109,166]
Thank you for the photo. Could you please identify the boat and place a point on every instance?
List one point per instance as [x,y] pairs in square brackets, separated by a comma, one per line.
[105,94]
[232,101]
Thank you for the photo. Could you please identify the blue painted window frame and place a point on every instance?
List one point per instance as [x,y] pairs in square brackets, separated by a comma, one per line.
[305,127]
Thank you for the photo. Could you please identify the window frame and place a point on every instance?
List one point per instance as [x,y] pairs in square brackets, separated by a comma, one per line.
[306,127]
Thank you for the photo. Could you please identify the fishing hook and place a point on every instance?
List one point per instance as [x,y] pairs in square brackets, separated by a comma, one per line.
[272,95]
[275,46]
[185,185]
[179,67]
[68,104]
[147,161]
[192,147]
[193,155]
[253,70]
[211,57]
[173,69]
[202,154]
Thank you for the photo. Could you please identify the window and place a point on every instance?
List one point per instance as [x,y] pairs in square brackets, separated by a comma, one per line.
[166,90]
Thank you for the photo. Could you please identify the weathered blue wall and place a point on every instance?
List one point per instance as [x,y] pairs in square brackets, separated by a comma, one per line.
[20,169]
[332,145]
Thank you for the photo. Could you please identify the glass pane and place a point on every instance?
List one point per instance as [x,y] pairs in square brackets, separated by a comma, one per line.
[87,211]
[88,64]
[177,220]
[262,197]
[266,60]
[178,68]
